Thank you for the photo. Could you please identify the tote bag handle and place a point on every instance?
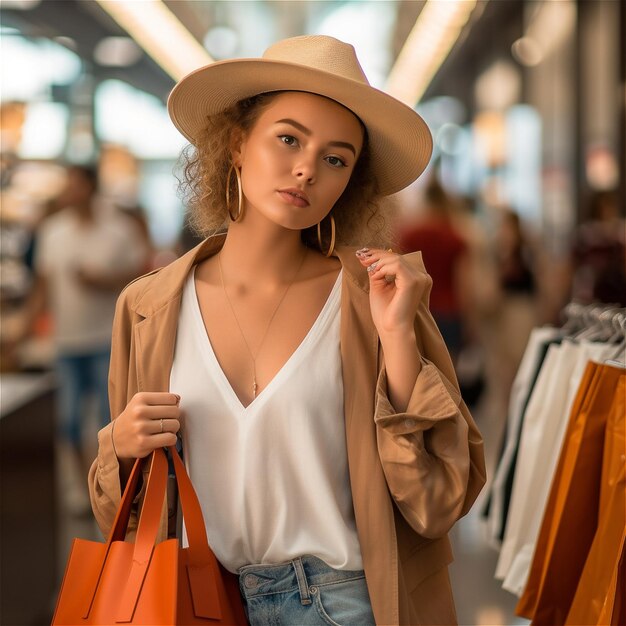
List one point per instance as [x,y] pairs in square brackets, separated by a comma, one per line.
[202,568]
[118,530]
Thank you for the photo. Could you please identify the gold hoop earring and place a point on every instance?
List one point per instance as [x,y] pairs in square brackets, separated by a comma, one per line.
[329,252]
[239,215]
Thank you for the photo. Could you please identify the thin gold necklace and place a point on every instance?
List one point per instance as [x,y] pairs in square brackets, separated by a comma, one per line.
[232,308]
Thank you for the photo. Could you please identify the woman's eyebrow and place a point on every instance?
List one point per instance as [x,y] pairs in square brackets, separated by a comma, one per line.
[308,132]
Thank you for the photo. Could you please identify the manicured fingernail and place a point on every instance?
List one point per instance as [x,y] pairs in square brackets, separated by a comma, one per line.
[362,250]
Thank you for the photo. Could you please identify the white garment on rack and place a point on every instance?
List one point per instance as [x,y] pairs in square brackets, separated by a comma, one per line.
[519,393]
[533,447]
[556,414]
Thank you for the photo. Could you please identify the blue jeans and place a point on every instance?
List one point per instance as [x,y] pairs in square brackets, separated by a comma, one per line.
[78,376]
[304,592]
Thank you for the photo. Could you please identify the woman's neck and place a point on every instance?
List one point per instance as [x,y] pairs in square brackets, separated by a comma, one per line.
[261,253]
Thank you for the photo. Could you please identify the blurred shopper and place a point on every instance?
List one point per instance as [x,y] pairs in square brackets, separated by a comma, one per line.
[480,289]
[137,214]
[514,310]
[86,252]
[514,256]
[446,257]
[599,254]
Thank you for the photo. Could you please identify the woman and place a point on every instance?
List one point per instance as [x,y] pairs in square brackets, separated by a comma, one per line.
[320,418]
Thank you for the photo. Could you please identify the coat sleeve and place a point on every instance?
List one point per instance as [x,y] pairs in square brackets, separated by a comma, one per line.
[104,479]
[431,453]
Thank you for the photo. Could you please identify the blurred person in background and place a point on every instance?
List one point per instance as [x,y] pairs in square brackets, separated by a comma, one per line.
[137,214]
[86,251]
[513,311]
[599,253]
[446,258]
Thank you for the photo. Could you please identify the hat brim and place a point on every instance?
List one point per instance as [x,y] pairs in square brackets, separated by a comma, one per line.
[399,140]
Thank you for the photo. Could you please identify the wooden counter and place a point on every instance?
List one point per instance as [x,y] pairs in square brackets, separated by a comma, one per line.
[28,545]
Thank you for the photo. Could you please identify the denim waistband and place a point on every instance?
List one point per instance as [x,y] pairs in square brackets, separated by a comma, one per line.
[302,573]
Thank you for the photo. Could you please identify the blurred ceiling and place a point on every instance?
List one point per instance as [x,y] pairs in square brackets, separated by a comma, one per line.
[85,24]
[246,28]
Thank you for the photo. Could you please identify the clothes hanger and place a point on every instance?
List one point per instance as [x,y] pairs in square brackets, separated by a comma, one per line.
[598,325]
[573,313]
[618,324]
[618,358]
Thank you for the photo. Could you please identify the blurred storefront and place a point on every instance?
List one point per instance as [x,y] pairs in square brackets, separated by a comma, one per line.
[527,110]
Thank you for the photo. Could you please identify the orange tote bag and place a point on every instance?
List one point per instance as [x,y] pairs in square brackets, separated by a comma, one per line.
[596,589]
[558,493]
[145,582]
[577,493]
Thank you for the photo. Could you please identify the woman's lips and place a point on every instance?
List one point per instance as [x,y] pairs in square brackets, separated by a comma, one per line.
[291,198]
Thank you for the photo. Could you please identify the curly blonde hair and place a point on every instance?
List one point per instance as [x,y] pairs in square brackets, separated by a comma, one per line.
[361,214]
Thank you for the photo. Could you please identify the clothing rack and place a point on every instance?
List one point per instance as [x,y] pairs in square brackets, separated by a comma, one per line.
[607,317]
[561,540]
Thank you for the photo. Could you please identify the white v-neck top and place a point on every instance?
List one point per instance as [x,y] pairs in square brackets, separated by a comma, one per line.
[272,477]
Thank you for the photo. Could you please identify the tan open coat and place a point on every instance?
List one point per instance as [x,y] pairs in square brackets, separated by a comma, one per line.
[412,474]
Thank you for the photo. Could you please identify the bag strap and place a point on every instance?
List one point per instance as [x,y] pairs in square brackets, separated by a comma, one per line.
[202,567]
[200,553]
[120,524]
[149,521]
[118,530]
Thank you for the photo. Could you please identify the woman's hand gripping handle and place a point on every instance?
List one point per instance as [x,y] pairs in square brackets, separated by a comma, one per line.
[149,421]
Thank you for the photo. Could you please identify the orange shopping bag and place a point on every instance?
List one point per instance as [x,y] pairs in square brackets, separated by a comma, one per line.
[573,502]
[553,508]
[119,582]
[596,589]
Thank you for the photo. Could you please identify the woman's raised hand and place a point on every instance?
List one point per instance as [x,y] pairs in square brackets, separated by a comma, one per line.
[396,289]
[149,421]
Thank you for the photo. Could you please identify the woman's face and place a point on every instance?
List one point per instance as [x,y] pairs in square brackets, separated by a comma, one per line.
[297,159]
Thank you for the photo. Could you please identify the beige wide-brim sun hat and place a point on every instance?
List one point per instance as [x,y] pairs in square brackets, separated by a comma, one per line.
[400,143]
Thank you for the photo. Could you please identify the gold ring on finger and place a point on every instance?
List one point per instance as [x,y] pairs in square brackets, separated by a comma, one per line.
[161,424]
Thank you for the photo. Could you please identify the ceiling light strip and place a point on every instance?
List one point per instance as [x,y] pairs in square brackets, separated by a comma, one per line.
[436,30]
[159,32]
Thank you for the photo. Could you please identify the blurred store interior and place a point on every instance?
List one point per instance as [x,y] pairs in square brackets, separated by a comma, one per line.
[526,101]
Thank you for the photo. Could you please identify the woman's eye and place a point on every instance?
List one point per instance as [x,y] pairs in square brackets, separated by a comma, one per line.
[335,161]
[288,140]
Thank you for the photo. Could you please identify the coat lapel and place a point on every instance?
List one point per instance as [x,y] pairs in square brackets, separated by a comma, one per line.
[155,338]
[159,305]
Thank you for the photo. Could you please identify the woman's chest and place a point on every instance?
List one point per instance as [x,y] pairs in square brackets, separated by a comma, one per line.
[254,337]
